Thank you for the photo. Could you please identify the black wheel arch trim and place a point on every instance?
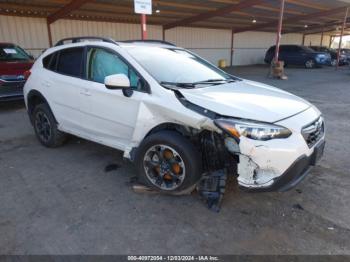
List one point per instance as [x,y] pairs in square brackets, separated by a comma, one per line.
[30,106]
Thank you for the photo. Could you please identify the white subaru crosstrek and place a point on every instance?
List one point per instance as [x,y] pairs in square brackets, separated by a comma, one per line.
[172,113]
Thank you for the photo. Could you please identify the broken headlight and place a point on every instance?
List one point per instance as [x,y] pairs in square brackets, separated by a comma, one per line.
[251,129]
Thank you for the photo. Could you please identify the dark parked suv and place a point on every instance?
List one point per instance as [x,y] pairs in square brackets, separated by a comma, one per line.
[298,55]
[333,53]
[14,63]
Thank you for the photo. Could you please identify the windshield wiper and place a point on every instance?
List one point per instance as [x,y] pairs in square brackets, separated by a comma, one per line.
[208,81]
[182,85]
[194,84]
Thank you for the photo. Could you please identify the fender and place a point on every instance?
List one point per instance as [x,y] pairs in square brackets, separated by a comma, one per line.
[34,98]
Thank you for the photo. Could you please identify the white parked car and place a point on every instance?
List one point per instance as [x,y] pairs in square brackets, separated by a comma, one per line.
[175,115]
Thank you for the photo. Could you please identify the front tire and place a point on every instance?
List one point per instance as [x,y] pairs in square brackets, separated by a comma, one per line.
[45,127]
[334,62]
[168,162]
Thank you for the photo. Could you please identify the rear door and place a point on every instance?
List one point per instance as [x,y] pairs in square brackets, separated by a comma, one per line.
[65,84]
[290,54]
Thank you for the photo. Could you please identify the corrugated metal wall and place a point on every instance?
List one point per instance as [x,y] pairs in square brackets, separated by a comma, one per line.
[212,44]
[316,40]
[66,28]
[30,33]
[250,47]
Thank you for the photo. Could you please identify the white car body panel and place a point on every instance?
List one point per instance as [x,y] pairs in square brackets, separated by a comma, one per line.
[248,100]
[90,110]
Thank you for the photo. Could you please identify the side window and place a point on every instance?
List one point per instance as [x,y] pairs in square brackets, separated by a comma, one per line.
[46,61]
[70,61]
[272,49]
[297,49]
[50,61]
[102,63]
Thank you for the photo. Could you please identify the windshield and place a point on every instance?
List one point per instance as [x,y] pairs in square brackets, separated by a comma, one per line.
[12,53]
[172,65]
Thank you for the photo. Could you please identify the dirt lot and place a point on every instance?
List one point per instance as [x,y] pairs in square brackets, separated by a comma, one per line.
[62,201]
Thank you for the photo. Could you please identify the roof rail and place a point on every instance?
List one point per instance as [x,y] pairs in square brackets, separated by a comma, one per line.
[148,41]
[79,39]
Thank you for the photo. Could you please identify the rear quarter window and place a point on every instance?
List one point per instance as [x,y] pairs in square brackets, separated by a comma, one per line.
[50,61]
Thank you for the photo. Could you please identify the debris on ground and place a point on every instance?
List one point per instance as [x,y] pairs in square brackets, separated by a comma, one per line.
[212,188]
[139,188]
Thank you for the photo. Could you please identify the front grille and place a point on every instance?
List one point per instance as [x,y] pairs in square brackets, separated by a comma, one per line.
[313,132]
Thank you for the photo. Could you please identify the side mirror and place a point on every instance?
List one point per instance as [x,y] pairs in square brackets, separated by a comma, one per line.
[118,81]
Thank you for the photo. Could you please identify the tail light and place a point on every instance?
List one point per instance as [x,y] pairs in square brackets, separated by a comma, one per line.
[27,74]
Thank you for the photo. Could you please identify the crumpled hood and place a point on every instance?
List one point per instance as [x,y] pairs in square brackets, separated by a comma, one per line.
[247,99]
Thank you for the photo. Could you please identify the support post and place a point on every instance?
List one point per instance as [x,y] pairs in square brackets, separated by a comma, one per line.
[341,35]
[303,43]
[163,35]
[143,27]
[321,44]
[330,41]
[231,51]
[49,32]
[279,31]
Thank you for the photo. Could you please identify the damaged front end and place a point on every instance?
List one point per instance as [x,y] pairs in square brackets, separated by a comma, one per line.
[225,156]
[256,154]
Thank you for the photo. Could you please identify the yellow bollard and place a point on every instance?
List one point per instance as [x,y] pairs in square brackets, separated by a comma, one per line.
[222,63]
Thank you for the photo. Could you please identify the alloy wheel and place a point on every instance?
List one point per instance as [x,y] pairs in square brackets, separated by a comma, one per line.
[310,64]
[164,167]
[43,126]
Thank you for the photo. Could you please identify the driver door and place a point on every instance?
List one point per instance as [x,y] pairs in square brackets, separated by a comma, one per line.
[110,116]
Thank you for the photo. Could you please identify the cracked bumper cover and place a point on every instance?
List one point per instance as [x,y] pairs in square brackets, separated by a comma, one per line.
[277,164]
[294,174]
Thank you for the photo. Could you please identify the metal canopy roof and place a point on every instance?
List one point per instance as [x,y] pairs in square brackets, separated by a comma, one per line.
[301,16]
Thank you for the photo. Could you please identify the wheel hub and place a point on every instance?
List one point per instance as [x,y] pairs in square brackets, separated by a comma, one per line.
[164,167]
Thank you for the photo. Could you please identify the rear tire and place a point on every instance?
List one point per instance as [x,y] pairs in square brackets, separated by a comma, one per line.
[310,64]
[45,127]
[168,162]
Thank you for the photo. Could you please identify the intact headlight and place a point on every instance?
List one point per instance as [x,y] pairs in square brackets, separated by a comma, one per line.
[251,129]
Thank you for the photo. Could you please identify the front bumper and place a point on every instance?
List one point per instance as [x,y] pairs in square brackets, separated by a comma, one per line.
[294,174]
[323,61]
[279,164]
[11,90]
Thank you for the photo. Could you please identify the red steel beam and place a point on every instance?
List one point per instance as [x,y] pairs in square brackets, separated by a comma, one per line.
[143,27]
[279,30]
[49,33]
[219,12]
[293,19]
[232,46]
[341,35]
[318,29]
[66,10]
